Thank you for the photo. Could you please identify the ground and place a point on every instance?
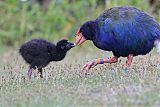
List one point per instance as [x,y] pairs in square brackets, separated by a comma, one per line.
[108,85]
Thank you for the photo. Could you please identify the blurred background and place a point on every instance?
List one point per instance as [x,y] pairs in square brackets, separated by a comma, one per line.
[22,20]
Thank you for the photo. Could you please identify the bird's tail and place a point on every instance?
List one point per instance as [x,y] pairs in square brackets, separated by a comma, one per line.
[157,45]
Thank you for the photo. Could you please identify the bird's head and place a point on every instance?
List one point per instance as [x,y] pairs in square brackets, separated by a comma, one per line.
[85,32]
[64,45]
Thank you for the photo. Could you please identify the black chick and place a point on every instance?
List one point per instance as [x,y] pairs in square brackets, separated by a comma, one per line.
[39,52]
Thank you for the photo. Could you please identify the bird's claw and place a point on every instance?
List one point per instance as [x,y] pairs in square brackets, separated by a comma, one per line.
[89,65]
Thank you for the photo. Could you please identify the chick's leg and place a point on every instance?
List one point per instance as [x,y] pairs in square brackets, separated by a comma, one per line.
[29,73]
[93,63]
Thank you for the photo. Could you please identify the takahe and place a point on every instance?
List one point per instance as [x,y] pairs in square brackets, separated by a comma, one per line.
[126,31]
[39,52]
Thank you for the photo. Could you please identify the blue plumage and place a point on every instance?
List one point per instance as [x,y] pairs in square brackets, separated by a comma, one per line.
[123,30]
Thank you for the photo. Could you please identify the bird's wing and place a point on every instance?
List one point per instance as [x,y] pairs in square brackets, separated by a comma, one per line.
[127,29]
[128,20]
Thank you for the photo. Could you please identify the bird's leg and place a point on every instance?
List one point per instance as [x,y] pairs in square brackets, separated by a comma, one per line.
[93,63]
[129,60]
[111,60]
[40,71]
[29,73]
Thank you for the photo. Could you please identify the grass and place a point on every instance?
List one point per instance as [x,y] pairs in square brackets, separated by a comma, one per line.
[106,85]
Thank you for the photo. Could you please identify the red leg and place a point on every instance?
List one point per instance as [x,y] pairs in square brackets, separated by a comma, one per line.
[129,60]
[111,60]
[93,63]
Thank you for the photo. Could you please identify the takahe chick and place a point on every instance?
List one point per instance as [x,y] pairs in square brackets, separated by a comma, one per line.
[126,31]
[39,52]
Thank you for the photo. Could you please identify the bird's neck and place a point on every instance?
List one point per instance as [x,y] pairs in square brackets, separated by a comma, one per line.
[91,35]
[58,56]
[95,29]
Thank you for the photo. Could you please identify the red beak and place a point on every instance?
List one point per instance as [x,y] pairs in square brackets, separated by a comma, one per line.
[79,38]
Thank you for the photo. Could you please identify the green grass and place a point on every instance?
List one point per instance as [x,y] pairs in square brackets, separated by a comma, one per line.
[105,86]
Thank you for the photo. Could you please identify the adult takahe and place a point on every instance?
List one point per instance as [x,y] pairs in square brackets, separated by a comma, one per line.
[126,31]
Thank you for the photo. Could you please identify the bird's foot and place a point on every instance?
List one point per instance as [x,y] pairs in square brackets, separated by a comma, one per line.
[93,63]
[89,65]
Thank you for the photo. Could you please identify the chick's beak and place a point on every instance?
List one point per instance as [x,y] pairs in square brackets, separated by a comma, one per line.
[80,39]
[71,44]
